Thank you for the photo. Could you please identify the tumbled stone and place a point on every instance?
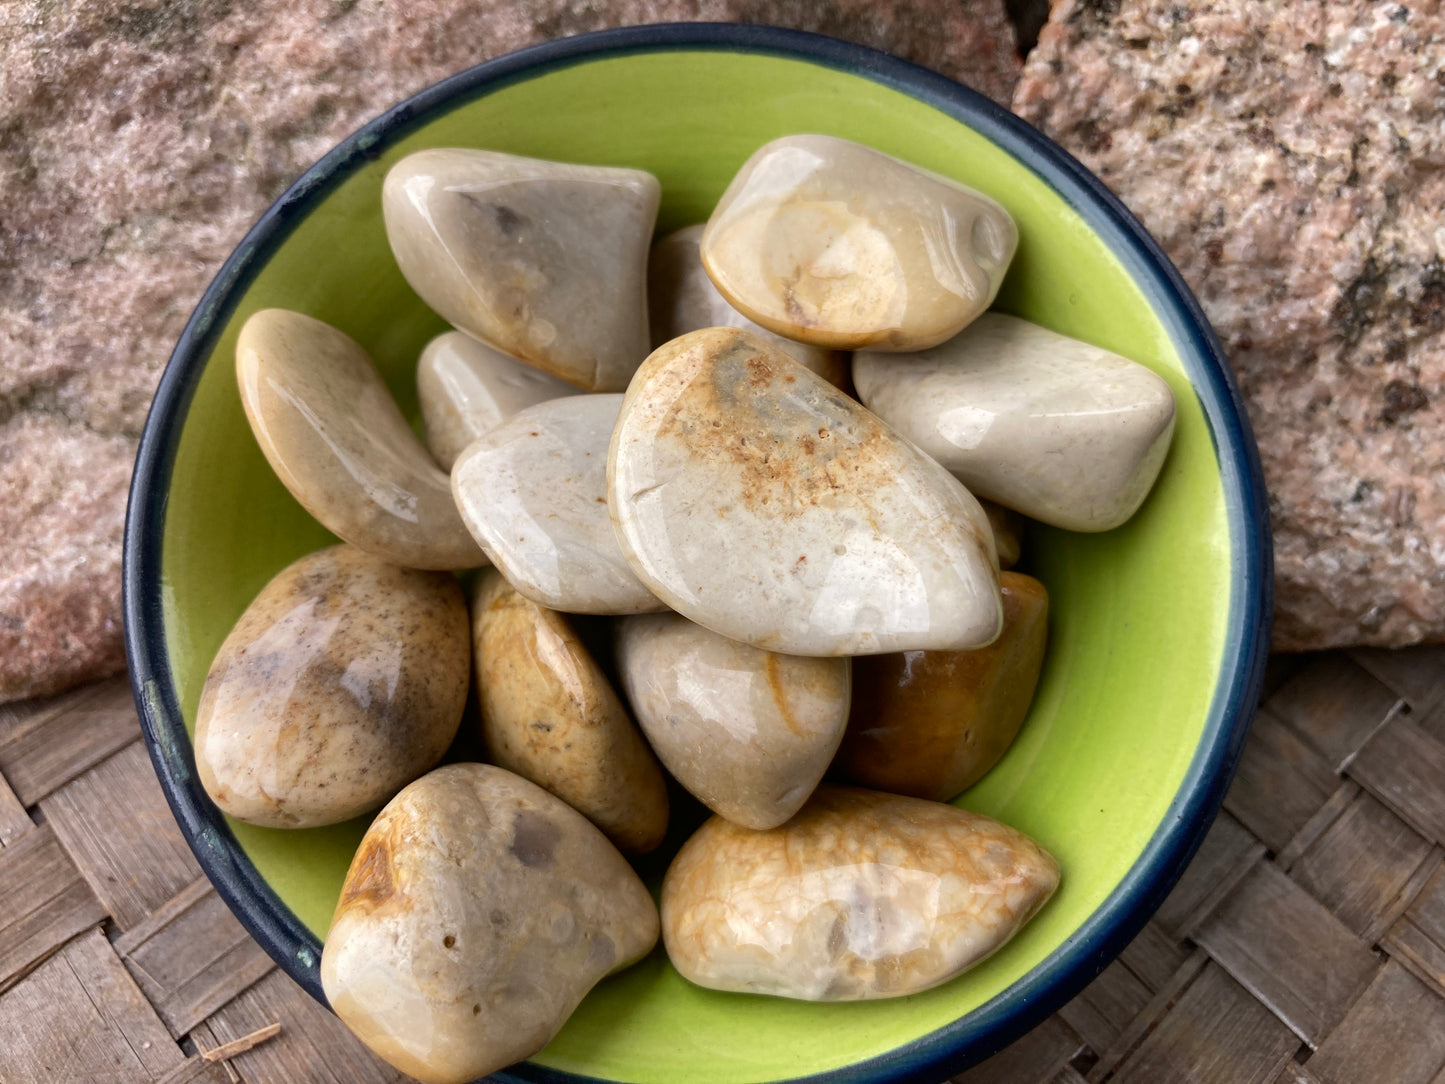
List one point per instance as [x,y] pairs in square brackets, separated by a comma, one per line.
[533,492]
[546,261]
[756,499]
[681,298]
[1062,431]
[861,895]
[337,440]
[466,388]
[932,723]
[1008,529]
[343,681]
[833,243]
[476,915]
[748,732]
[550,715]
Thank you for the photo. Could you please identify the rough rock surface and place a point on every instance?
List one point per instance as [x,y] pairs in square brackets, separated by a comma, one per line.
[1291,159]
[139,140]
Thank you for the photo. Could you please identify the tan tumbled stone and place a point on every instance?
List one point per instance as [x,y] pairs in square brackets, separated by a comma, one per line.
[477,913]
[1060,430]
[861,895]
[550,715]
[932,723]
[466,388]
[759,501]
[748,732]
[833,243]
[681,298]
[546,261]
[343,681]
[335,437]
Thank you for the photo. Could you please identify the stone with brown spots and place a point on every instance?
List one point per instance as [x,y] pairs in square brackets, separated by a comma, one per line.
[343,681]
[861,895]
[550,715]
[759,501]
[748,732]
[932,723]
[478,911]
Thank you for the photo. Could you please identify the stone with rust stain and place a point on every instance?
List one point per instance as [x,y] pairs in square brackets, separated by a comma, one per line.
[681,298]
[546,261]
[550,715]
[467,388]
[533,492]
[932,723]
[1063,431]
[757,500]
[861,895]
[833,243]
[477,913]
[337,440]
[343,681]
[748,732]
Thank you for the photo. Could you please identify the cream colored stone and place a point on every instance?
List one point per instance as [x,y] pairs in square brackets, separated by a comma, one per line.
[861,895]
[1008,529]
[466,388]
[681,298]
[749,732]
[533,492]
[336,439]
[833,243]
[476,915]
[756,499]
[544,260]
[550,715]
[1059,430]
[343,681]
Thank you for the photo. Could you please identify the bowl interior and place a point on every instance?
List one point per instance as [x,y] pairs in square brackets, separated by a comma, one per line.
[1141,615]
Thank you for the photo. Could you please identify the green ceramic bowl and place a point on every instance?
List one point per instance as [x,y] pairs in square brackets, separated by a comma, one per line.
[1158,632]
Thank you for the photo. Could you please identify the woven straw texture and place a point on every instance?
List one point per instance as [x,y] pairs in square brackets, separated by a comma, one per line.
[1306,943]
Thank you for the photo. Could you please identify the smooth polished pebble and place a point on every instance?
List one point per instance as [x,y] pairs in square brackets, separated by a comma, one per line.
[533,492]
[476,915]
[343,681]
[1059,430]
[932,723]
[467,388]
[335,437]
[681,298]
[749,732]
[547,261]
[836,244]
[756,499]
[550,715]
[861,895]
[1008,529]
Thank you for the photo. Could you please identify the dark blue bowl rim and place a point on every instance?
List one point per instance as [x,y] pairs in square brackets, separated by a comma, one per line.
[1106,932]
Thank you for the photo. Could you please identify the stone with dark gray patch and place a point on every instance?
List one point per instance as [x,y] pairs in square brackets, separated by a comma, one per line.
[1291,160]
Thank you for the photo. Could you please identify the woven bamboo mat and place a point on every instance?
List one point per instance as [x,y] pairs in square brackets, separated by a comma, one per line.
[1305,945]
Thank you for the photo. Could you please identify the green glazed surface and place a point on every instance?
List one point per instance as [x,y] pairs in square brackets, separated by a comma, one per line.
[1138,614]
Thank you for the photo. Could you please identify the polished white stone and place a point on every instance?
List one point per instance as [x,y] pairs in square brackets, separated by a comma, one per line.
[749,732]
[546,261]
[466,388]
[1065,432]
[756,499]
[533,492]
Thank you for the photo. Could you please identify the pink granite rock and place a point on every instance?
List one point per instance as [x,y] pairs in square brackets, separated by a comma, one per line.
[138,141]
[1290,157]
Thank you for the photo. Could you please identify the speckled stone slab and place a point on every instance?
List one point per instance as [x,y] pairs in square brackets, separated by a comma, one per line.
[138,142]
[1291,160]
